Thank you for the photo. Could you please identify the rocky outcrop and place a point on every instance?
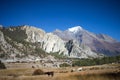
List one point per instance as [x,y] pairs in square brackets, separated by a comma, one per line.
[33,34]
[52,43]
[80,51]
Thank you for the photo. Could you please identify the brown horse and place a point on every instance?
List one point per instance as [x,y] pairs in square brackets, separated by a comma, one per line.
[49,73]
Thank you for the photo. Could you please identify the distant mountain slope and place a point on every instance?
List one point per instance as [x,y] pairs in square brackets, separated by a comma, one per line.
[98,43]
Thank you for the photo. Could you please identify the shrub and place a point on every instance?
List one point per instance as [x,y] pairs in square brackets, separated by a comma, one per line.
[38,72]
[64,65]
[2,65]
[57,55]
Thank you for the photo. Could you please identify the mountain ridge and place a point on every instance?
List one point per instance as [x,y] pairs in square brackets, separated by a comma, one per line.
[94,41]
[31,42]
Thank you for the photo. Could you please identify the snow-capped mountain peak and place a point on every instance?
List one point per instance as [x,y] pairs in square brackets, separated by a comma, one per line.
[75,29]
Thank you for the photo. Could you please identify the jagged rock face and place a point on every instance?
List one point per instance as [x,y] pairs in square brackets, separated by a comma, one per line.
[75,50]
[33,34]
[52,43]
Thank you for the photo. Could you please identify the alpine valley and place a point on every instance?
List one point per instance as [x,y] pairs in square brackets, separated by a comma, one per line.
[31,43]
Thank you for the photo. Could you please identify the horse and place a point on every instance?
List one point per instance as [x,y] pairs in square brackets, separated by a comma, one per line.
[49,73]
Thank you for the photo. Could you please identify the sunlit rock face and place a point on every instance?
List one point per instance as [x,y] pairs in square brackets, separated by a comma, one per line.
[33,34]
[53,43]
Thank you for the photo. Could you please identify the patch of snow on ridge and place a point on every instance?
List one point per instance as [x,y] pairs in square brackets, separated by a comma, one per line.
[75,29]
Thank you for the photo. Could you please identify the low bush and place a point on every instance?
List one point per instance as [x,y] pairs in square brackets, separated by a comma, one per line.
[64,65]
[38,72]
[2,65]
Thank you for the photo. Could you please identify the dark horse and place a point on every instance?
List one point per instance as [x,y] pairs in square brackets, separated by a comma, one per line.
[49,73]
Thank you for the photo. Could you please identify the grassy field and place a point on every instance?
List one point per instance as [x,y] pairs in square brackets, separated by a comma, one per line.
[101,72]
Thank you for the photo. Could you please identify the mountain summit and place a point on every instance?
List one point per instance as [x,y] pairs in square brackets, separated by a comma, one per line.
[75,29]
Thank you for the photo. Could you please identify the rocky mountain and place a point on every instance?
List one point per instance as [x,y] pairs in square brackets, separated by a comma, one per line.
[28,42]
[98,43]
[31,43]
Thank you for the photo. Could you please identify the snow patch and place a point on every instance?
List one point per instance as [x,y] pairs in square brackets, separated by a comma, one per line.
[75,29]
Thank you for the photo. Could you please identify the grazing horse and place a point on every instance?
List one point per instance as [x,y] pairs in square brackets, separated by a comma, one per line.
[49,73]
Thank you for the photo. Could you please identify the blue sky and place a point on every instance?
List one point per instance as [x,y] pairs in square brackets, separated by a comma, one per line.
[97,16]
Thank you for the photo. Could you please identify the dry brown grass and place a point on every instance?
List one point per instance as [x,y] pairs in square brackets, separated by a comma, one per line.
[104,73]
